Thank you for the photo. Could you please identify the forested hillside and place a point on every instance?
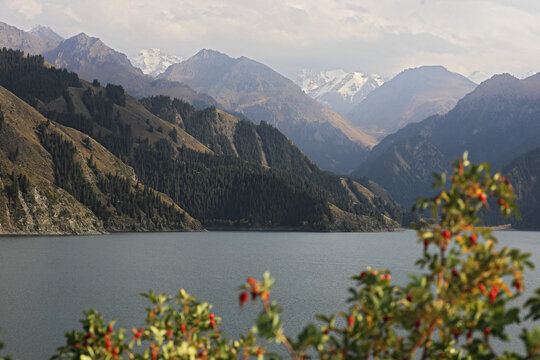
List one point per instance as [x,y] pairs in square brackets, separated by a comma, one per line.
[55,179]
[220,175]
[264,145]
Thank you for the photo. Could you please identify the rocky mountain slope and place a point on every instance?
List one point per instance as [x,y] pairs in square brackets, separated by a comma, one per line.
[47,34]
[337,89]
[409,97]
[56,180]
[32,43]
[497,122]
[254,90]
[92,59]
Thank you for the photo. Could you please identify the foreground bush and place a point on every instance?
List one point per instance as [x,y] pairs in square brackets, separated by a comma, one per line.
[454,310]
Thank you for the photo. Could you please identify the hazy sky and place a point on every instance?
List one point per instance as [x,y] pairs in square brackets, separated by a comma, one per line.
[373,36]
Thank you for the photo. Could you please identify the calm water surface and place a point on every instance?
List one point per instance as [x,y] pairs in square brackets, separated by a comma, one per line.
[46,282]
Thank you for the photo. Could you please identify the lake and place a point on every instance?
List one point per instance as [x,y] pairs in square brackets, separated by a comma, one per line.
[46,282]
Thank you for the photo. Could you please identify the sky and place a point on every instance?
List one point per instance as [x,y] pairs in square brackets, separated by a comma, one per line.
[371,36]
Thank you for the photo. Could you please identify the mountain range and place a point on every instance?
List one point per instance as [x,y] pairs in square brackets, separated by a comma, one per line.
[229,141]
[224,171]
[337,89]
[497,122]
[410,96]
[257,92]
[249,88]
[92,59]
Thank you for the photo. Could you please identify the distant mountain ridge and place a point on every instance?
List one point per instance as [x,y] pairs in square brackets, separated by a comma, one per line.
[337,89]
[248,87]
[497,122]
[409,97]
[46,33]
[33,43]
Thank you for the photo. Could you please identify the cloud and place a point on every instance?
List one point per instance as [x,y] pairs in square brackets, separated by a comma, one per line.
[368,35]
[29,9]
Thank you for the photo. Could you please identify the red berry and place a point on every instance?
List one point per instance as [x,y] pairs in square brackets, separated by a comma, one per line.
[386,318]
[487,331]
[446,234]
[326,331]
[154,355]
[482,197]
[115,352]
[426,244]
[110,328]
[243,298]
[482,288]
[473,239]
[260,352]
[456,333]
[169,333]
[254,295]
[455,273]
[506,205]
[518,285]
[409,297]
[388,277]
[76,345]
[251,281]
[500,202]
[211,316]
[183,328]
[493,293]
[350,321]
[266,296]
[363,274]
[469,335]
[417,324]
[213,324]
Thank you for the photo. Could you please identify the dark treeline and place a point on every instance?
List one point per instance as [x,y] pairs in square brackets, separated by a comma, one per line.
[221,190]
[116,196]
[117,136]
[252,142]
[1,118]
[27,77]
[136,202]
[68,173]
[15,185]
[201,124]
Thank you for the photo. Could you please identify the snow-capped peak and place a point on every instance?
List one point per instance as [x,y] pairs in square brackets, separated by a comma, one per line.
[478,77]
[338,89]
[154,62]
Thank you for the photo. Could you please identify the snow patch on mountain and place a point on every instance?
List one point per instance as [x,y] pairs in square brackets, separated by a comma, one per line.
[479,77]
[153,61]
[338,89]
